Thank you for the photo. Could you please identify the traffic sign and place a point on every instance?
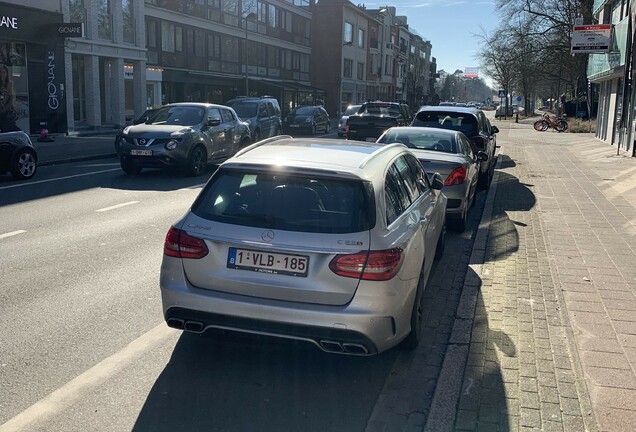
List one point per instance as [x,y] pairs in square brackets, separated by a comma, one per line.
[502,93]
[518,98]
[488,101]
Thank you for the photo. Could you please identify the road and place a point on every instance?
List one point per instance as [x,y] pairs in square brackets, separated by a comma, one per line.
[83,345]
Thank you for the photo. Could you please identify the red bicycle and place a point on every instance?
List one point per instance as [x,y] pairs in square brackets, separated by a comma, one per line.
[547,122]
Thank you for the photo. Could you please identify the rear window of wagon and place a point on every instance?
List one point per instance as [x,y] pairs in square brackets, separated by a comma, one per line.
[287,202]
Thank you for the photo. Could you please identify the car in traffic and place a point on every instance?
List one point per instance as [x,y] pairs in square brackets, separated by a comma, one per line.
[261,113]
[308,119]
[374,117]
[17,155]
[141,119]
[184,135]
[473,123]
[450,154]
[310,239]
[344,119]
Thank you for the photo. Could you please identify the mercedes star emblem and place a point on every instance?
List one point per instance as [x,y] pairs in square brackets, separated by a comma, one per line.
[267,236]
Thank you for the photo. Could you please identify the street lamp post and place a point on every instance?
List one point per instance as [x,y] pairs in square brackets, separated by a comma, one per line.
[249,17]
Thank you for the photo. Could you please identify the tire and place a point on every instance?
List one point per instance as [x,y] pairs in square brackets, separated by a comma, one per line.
[244,143]
[441,244]
[538,125]
[197,162]
[417,316]
[24,164]
[564,125]
[459,224]
[128,166]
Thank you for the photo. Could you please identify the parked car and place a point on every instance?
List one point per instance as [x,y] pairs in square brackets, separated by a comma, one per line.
[261,113]
[374,117]
[307,119]
[310,239]
[183,135]
[502,112]
[17,155]
[449,153]
[471,122]
[342,123]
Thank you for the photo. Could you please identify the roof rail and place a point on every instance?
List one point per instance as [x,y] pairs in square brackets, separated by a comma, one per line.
[260,143]
[378,151]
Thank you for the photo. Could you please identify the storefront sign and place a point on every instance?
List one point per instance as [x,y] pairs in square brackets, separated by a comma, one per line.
[9,22]
[51,85]
[70,30]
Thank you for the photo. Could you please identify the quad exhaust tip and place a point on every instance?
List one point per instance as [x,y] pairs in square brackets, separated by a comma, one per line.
[343,348]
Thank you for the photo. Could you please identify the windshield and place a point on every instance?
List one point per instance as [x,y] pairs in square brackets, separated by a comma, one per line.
[441,141]
[321,205]
[245,109]
[178,115]
[303,111]
[352,110]
[381,109]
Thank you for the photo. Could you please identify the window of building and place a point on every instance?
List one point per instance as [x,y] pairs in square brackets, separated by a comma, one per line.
[189,40]
[229,48]
[178,38]
[104,24]
[167,36]
[77,11]
[262,12]
[348,33]
[199,43]
[151,34]
[272,18]
[214,46]
[348,68]
[360,38]
[128,17]
[360,71]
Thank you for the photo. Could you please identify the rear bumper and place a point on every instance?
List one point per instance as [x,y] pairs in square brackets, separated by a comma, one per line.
[374,321]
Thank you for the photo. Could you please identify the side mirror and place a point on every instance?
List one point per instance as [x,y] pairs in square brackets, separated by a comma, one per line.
[213,122]
[436,181]
[482,156]
[494,129]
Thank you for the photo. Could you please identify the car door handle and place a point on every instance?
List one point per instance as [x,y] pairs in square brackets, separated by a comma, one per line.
[424,220]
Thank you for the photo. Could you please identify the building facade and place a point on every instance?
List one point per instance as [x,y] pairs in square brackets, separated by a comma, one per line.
[612,73]
[32,68]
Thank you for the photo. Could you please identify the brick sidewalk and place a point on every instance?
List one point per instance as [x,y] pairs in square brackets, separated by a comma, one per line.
[552,345]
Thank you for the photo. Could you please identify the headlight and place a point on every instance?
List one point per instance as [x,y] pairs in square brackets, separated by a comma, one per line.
[125,131]
[182,132]
[171,145]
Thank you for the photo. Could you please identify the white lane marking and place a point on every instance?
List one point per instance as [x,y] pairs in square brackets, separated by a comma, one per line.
[75,390]
[105,209]
[12,233]
[59,178]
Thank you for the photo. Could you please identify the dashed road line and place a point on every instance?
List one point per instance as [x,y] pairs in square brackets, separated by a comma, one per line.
[105,209]
[12,233]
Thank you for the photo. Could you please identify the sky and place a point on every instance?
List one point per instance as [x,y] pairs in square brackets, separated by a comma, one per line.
[451,26]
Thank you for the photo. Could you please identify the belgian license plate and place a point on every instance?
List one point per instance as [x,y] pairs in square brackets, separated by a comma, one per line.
[266,262]
[293,125]
[141,152]
[371,139]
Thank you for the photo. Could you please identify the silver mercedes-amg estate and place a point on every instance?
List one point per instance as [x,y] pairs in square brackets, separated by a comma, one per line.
[325,241]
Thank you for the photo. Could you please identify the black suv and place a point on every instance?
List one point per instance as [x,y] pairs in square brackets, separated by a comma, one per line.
[262,113]
[473,123]
[374,117]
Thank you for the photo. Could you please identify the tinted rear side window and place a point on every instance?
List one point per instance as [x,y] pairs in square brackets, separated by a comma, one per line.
[287,202]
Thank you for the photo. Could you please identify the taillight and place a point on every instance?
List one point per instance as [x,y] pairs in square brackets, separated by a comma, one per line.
[375,265]
[178,244]
[457,176]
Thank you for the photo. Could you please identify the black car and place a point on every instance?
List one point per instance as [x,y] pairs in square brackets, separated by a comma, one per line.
[473,123]
[183,135]
[307,119]
[17,155]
